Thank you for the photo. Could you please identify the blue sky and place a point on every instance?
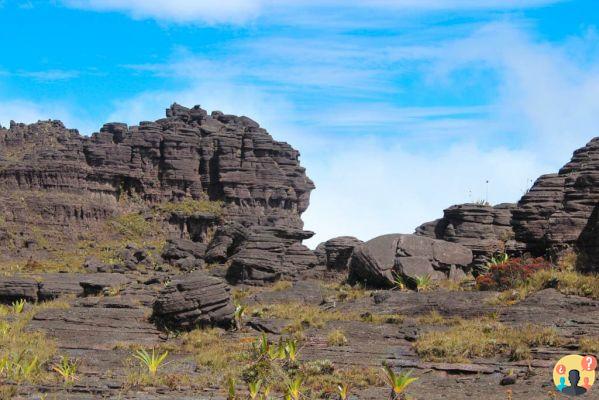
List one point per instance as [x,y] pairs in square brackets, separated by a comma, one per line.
[400,108]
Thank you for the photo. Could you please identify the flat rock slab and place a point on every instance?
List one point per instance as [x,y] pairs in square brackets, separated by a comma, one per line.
[97,328]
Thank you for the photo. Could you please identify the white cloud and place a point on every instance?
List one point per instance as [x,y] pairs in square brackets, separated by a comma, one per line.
[242,11]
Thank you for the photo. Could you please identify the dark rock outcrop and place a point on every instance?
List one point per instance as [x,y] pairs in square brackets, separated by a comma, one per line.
[194,300]
[336,253]
[184,253]
[484,229]
[64,183]
[269,253]
[376,261]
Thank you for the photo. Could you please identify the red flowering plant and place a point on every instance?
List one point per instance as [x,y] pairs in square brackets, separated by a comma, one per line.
[510,272]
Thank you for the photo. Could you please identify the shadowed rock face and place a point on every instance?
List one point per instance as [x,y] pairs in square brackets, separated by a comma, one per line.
[52,177]
[187,154]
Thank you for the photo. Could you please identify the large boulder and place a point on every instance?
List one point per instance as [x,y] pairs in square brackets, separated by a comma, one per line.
[194,300]
[270,253]
[336,253]
[184,253]
[377,261]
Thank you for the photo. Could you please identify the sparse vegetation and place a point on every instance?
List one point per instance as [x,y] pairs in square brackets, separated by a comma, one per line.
[508,273]
[134,226]
[589,345]
[67,369]
[483,338]
[188,207]
[566,282]
[336,338]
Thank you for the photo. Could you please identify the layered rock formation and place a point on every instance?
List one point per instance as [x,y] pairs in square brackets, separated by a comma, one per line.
[556,214]
[196,300]
[336,253]
[377,261]
[54,179]
[484,229]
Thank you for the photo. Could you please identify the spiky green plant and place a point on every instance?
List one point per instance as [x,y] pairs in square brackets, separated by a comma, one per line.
[254,388]
[265,393]
[67,369]
[499,259]
[294,389]
[151,361]
[398,282]
[277,352]
[398,382]
[423,283]
[232,394]
[343,391]
[18,306]
[291,349]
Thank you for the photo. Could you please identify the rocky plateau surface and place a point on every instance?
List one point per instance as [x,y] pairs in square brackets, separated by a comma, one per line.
[144,236]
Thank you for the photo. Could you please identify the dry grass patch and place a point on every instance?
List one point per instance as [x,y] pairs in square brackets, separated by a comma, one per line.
[483,338]
[336,337]
[589,345]
[302,316]
[189,207]
[346,292]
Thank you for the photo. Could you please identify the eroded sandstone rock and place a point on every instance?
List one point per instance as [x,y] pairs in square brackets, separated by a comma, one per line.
[378,260]
[196,299]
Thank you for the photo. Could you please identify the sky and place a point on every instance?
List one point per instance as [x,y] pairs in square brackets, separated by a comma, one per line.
[399,108]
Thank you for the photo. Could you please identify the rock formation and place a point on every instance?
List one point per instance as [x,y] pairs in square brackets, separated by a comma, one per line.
[62,183]
[378,260]
[558,213]
[198,299]
[484,229]
[336,253]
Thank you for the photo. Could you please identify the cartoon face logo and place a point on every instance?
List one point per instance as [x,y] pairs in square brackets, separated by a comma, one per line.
[574,374]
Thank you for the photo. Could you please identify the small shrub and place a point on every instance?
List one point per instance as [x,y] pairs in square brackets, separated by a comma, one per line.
[336,338]
[423,283]
[511,273]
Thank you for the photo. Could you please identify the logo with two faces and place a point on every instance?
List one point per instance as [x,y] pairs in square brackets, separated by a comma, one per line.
[575,374]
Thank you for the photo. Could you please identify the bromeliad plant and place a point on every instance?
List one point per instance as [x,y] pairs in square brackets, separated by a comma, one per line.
[294,389]
[254,389]
[343,391]
[423,283]
[398,382]
[18,306]
[151,361]
[67,369]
